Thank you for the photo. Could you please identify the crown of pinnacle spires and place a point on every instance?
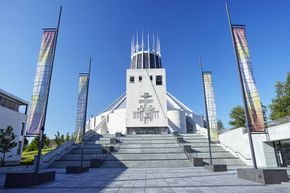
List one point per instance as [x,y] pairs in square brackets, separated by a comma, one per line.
[153,45]
[145,55]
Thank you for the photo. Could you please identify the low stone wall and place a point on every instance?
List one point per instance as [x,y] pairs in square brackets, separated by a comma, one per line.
[60,151]
[237,143]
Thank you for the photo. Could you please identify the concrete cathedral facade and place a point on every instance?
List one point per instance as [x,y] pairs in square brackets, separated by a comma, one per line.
[146,107]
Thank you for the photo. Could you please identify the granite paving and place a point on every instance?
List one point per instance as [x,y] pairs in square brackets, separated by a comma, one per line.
[149,180]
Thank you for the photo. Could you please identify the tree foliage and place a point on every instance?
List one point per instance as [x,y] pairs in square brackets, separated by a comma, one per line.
[59,139]
[280,106]
[35,143]
[7,142]
[220,126]
[67,137]
[25,143]
[238,118]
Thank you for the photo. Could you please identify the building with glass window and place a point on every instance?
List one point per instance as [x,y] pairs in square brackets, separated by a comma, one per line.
[13,112]
[146,107]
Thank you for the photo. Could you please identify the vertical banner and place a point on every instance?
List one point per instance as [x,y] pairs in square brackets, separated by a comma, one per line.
[81,108]
[211,106]
[41,83]
[253,102]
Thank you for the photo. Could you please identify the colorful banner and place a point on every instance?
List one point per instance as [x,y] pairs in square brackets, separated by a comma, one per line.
[253,102]
[211,107]
[40,91]
[81,108]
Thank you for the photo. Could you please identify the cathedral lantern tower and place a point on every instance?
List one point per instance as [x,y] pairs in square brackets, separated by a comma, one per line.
[146,97]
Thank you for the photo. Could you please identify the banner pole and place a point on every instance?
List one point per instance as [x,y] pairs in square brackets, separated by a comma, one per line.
[207,119]
[84,126]
[248,127]
[41,133]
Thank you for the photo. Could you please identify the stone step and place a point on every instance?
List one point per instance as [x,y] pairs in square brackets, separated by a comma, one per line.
[147,138]
[150,142]
[150,150]
[166,150]
[200,144]
[88,151]
[98,142]
[136,157]
[147,164]
[148,135]
[196,140]
[149,156]
[74,157]
[64,164]
[161,141]
[148,145]
[205,149]
[91,146]
[228,161]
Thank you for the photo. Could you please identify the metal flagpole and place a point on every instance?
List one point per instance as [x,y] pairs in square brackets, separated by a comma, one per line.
[40,144]
[248,127]
[84,126]
[207,119]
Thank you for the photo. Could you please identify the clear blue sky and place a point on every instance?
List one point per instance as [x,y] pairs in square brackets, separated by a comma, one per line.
[102,29]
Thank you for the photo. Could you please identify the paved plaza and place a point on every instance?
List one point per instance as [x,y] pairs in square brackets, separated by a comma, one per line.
[153,180]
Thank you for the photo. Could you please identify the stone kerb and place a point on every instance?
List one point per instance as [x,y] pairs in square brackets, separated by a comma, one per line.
[55,154]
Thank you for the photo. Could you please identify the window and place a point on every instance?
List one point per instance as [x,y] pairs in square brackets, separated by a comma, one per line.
[152,63]
[134,62]
[151,78]
[158,65]
[131,79]
[145,60]
[3,101]
[19,147]
[158,80]
[140,78]
[22,128]
[139,61]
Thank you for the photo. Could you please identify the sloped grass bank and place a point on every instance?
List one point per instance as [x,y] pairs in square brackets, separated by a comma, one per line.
[28,156]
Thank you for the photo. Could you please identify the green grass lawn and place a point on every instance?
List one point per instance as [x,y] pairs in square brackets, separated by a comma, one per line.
[28,156]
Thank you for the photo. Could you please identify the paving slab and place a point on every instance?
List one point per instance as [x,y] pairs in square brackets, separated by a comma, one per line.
[151,180]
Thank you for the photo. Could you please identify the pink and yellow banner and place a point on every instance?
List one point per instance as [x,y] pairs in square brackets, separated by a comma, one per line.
[40,91]
[253,102]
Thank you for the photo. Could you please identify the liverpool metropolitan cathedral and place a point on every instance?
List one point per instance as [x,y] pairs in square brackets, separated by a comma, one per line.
[146,107]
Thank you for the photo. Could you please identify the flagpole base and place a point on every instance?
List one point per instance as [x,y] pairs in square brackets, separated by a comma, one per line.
[263,176]
[216,168]
[20,180]
[76,170]
[197,161]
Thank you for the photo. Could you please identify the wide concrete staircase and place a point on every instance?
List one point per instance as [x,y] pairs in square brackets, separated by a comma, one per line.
[199,145]
[146,151]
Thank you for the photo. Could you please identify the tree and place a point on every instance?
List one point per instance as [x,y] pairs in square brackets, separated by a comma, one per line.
[265,117]
[280,106]
[35,143]
[220,126]
[62,140]
[25,143]
[7,142]
[59,139]
[238,118]
[67,137]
